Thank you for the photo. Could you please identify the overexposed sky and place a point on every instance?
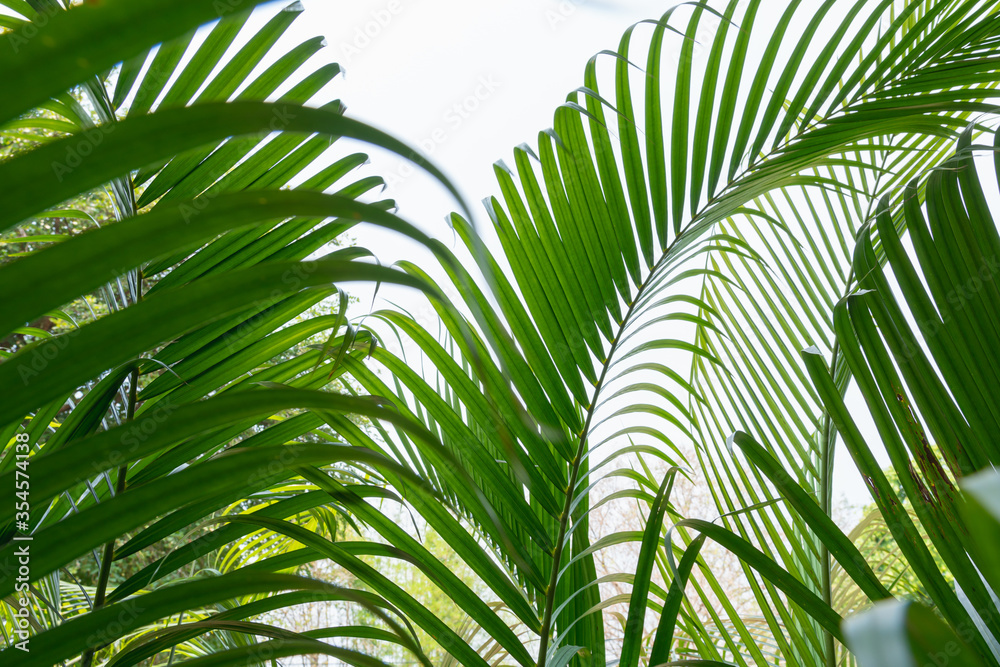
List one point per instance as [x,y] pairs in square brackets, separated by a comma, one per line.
[466,81]
[463,80]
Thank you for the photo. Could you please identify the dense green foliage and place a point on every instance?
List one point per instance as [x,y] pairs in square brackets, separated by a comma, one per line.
[684,277]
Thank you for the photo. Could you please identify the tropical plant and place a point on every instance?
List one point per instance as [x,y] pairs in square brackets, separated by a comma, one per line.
[212,260]
[656,265]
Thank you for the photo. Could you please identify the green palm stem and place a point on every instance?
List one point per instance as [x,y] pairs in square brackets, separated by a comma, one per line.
[109,548]
[829,438]
[564,518]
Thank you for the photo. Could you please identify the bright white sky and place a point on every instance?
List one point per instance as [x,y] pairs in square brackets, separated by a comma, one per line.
[507,65]
[466,81]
